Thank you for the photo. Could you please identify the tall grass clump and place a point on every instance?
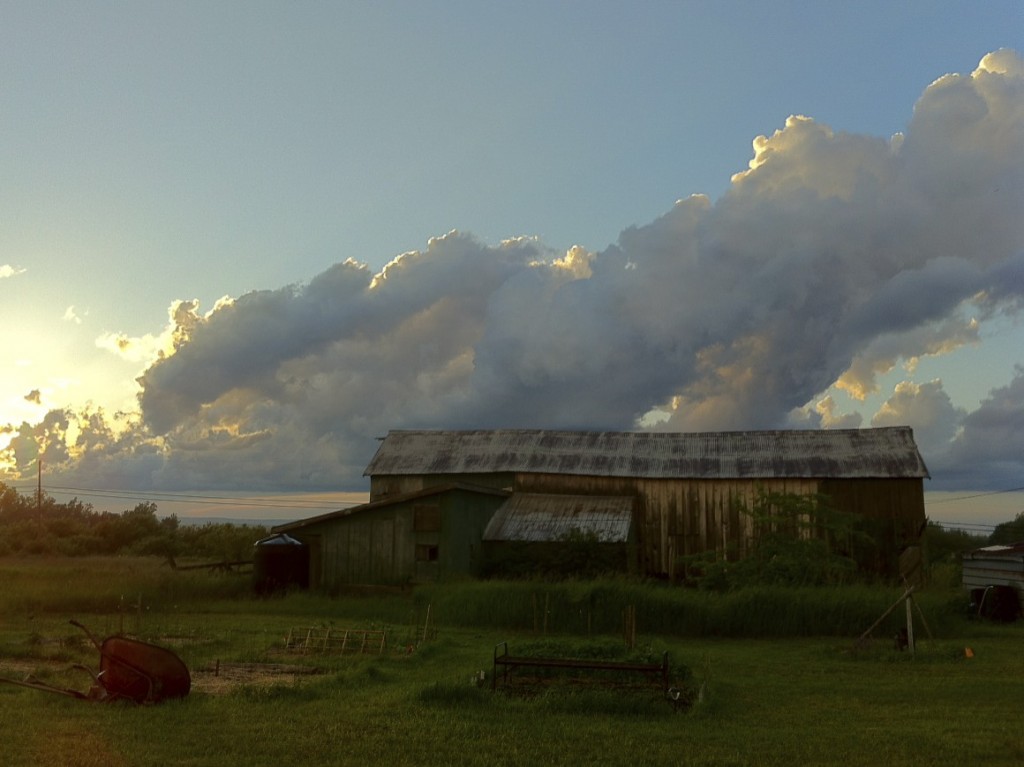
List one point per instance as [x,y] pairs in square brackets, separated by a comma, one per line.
[776,611]
[580,607]
[84,585]
[135,586]
[485,604]
[597,607]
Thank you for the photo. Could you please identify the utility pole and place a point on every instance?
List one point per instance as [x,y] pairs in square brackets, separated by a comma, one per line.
[39,488]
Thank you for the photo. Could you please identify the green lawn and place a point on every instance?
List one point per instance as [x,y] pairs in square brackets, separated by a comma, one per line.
[796,701]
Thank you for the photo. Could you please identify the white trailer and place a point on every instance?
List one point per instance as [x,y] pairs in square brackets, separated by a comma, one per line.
[994,576]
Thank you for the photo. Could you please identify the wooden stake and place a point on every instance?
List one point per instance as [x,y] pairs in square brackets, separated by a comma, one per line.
[863,637]
[910,625]
[920,614]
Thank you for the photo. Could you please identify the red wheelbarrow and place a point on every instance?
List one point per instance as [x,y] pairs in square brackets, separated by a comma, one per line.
[129,670]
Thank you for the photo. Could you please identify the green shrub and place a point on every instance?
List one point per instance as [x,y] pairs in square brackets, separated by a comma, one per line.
[797,540]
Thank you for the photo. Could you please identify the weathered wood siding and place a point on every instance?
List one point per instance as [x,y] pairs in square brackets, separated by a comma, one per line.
[397,484]
[680,517]
[374,548]
[893,510]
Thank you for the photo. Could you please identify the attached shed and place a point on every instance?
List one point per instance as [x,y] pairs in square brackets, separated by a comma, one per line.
[688,488]
[404,538]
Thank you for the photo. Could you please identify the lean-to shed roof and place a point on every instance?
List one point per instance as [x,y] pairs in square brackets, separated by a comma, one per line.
[391,500]
[839,454]
[550,517]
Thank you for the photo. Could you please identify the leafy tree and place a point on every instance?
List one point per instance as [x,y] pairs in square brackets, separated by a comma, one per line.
[1009,532]
[221,542]
[14,505]
[942,545]
[30,525]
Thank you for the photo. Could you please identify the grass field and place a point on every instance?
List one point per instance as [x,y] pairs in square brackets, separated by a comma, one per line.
[794,700]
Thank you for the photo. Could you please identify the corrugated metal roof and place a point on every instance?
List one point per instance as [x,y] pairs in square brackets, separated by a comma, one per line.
[1008,550]
[1000,565]
[840,454]
[391,500]
[542,517]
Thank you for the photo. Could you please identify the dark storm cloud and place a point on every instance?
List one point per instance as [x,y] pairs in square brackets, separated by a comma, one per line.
[830,257]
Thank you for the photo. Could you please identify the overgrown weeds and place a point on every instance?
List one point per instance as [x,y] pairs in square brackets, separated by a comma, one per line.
[142,596]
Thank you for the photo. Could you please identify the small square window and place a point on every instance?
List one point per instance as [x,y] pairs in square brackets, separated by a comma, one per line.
[426,552]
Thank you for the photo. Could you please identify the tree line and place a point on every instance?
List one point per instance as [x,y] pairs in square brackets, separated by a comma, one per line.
[44,526]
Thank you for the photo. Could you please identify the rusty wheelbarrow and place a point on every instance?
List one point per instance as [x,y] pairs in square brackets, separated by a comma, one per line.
[129,670]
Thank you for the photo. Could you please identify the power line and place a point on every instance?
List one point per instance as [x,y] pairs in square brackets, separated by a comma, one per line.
[967,525]
[976,495]
[209,500]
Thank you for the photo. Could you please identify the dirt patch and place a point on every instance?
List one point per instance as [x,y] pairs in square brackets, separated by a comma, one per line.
[213,679]
[16,669]
[217,679]
[19,669]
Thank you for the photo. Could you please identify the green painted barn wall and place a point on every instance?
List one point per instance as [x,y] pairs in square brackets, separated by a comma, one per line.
[379,546]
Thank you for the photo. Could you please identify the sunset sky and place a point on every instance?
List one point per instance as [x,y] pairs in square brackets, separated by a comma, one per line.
[241,241]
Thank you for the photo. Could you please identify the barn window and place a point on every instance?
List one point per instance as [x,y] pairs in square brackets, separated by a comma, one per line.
[426,552]
[426,518]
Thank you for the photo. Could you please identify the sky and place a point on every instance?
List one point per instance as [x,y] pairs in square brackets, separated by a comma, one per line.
[239,242]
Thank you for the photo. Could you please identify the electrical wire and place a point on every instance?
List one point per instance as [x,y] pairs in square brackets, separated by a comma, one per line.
[976,495]
[190,498]
[968,525]
[327,505]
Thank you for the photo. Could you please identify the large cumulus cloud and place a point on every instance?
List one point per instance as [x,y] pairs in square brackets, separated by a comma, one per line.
[831,257]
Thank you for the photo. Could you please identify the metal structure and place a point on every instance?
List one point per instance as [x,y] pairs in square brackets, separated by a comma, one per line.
[129,670]
[504,663]
[323,640]
[280,562]
[551,517]
[994,576]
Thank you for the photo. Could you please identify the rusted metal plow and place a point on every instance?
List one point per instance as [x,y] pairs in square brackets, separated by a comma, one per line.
[129,670]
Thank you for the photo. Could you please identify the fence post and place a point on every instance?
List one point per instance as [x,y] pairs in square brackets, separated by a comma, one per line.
[910,625]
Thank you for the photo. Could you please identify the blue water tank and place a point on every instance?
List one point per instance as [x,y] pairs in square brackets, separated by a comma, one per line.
[280,562]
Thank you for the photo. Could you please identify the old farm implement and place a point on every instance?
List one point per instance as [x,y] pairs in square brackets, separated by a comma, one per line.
[505,663]
[129,670]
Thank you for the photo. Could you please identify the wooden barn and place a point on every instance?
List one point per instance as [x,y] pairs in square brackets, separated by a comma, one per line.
[686,491]
[440,500]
